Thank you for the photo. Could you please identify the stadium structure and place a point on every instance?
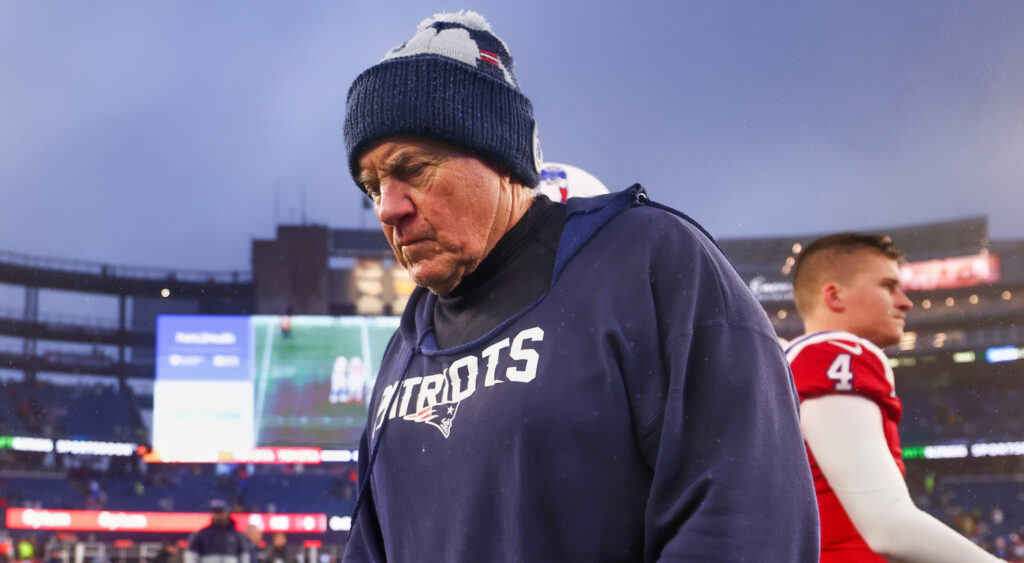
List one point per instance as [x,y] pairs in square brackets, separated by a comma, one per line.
[98,412]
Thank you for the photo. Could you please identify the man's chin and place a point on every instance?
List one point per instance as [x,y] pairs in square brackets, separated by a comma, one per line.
[889,340]
[436,282]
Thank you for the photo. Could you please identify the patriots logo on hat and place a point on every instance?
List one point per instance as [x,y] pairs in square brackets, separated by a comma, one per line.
[439,416]
[464,36]
[490,57]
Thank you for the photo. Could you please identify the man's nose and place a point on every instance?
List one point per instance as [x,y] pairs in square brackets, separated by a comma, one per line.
[394,202]
[903,303]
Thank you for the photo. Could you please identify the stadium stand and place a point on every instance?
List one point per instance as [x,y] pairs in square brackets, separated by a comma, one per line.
[82,379]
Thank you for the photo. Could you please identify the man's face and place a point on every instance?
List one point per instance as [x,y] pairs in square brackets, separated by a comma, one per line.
[441,210]
[221,517]
[876,307]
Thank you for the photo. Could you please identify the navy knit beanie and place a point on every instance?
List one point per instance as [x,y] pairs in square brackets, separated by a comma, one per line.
[452,81]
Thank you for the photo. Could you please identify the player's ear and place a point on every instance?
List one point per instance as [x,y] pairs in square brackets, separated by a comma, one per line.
[832,296]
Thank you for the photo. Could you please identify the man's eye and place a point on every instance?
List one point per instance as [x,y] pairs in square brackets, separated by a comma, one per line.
[411,171]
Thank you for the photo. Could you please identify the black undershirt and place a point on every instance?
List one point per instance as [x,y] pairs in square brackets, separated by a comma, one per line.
[516,272]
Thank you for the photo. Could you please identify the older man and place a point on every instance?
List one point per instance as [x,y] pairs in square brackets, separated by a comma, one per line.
[580,382]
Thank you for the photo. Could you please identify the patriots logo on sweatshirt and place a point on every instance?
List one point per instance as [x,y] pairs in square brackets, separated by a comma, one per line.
[434,399]
[439,416]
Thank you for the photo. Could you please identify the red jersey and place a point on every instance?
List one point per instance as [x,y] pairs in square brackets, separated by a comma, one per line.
[826,363]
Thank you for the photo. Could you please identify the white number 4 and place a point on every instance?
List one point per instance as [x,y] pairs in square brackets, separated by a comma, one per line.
[840,372]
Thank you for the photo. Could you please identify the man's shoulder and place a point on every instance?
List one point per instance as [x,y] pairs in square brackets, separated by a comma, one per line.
[833,343]
[657,220]
[213,529]
[683,262]
[628,226]
[655,234]
[838,362]
[632,209]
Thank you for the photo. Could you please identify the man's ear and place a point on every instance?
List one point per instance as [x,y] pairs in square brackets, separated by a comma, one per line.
[833,296]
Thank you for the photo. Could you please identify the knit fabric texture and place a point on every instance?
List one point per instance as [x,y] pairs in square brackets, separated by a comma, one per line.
[452,81]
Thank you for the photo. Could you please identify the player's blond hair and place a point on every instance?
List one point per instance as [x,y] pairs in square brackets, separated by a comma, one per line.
[827,260]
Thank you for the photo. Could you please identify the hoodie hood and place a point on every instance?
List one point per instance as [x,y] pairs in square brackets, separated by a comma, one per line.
[584,218]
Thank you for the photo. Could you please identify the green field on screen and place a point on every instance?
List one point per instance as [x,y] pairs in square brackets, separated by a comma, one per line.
[313,382]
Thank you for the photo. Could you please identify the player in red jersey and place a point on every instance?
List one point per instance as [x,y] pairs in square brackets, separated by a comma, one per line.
[847,291]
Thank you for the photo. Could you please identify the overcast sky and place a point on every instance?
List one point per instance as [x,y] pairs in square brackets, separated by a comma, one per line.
[173,133]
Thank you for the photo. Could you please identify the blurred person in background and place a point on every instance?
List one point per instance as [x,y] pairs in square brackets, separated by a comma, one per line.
[277,552]
[220,542]
[169,553]
[847,291]
[588,381]
[254,537]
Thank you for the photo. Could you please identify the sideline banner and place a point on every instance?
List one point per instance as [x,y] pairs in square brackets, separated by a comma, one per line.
[113,521]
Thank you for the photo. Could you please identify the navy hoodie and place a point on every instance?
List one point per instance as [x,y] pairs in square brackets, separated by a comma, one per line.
[640,410]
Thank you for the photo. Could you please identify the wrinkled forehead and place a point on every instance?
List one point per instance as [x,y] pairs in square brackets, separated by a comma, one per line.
[392,152]
[389,147]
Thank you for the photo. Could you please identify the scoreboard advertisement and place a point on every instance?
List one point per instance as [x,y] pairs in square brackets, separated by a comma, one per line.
[235,383]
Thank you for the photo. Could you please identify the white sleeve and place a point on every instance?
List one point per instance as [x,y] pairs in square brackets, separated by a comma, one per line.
[844,432]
